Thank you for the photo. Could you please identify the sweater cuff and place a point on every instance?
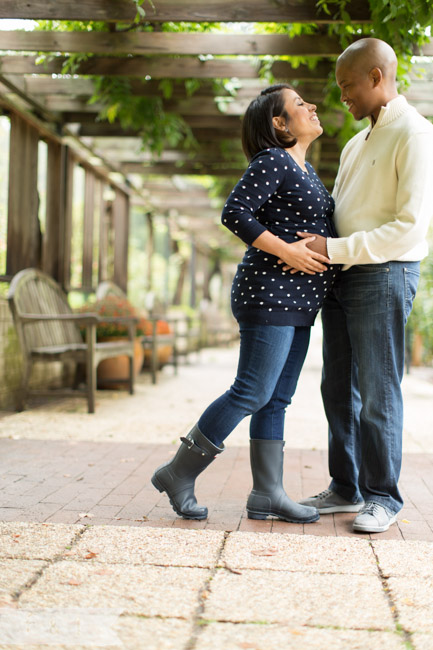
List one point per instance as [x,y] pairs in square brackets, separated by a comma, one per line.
[337,250]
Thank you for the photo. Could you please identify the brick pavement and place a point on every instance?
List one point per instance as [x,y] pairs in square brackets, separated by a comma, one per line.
[86,482]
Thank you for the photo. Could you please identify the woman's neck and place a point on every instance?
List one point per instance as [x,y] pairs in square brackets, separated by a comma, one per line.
[298,152]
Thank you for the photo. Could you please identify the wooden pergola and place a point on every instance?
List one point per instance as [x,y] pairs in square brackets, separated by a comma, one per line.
[44,103]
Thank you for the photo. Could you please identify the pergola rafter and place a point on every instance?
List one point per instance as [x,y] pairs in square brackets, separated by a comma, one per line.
[290,11]
[157,43]
[173,43]
[183,67]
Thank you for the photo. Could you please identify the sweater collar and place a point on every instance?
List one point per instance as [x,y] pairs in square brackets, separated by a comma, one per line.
[392,111]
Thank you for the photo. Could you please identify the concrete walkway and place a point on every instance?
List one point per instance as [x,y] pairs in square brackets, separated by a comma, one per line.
[92,556]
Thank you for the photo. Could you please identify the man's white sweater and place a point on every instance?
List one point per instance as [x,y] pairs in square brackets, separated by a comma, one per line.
[384,190]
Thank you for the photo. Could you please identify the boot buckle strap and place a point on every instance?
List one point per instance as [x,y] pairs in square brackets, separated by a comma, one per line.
[193,447]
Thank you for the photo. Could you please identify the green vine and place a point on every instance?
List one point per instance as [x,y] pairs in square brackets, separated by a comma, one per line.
[141,12]
[156,127]
[401,24]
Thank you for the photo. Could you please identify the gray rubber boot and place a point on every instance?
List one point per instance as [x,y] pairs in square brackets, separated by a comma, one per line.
[268,496]
[177,477]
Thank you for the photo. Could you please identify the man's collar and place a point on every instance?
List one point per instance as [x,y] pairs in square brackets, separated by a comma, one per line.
[391,111]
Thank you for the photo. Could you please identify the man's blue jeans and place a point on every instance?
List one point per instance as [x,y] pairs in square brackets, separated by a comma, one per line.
[364,317]
[270,361]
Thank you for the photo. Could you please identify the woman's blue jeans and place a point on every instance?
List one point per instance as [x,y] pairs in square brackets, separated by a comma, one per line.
[364,318]
[270,361]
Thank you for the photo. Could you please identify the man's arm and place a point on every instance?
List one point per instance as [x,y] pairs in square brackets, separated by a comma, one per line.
[411,218]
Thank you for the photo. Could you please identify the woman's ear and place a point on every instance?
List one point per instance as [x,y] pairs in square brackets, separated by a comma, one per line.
[279,123]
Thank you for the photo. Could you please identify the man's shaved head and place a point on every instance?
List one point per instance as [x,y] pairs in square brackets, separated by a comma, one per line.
[369,53]
[366,75]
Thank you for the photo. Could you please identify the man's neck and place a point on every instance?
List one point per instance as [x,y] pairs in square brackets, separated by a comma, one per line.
[385,100]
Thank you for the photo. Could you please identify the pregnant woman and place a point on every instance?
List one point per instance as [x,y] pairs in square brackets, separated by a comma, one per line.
[278,196]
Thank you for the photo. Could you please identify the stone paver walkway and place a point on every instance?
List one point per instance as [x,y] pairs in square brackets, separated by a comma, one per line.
[91,555]
[109,483]
[151,588]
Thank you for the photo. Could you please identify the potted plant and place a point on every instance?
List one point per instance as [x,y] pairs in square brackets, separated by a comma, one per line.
[164,340]
[117,315]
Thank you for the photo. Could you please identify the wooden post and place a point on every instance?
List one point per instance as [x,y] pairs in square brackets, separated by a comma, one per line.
[88,221]
[121,233]
[66,235]
[24,239]
[192,272]
[150,251]
[104,227]
[53,244]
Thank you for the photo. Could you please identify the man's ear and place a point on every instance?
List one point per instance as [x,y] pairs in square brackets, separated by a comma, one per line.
[376,76]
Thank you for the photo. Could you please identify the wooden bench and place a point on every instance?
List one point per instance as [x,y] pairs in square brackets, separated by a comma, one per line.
[217,328]
[153,340]
[49,331]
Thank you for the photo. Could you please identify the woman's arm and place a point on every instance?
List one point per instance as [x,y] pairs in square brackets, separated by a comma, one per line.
[295,256]
[265,174]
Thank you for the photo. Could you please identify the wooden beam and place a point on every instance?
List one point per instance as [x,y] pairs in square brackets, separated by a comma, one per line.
[282,70]
[133,156]
[63,94]
[176,10]
[194,106]
[139,43]
[188,168]
[43,85]
[201,133]
[425,50]
[155,67]
[16,86]
[100,129]
[163,68]
[46,132]
[81,87]
[180,201]
[217,121]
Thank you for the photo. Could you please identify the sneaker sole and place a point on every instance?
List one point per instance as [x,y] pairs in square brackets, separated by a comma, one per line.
[374,529]
[329,510]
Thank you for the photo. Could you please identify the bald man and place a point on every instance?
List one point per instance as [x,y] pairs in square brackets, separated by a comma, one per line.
[383,205]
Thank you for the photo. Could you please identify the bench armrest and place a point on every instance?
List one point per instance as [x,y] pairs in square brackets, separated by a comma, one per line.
[78,319]
[131,320]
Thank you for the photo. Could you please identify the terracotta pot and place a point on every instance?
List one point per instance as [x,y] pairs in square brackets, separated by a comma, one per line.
[164,352]
[118,367]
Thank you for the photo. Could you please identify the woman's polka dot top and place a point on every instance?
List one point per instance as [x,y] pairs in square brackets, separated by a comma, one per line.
[275,194]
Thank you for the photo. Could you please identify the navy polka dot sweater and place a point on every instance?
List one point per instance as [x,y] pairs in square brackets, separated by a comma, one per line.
[275,194]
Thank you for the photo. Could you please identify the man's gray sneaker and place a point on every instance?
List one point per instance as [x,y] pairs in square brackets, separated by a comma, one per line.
[373,518]
[328,502]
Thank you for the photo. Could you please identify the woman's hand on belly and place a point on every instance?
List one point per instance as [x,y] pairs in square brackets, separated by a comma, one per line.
[316,244]
[297,255]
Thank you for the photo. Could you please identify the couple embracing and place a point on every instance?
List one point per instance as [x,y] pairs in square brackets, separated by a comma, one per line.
[355,255]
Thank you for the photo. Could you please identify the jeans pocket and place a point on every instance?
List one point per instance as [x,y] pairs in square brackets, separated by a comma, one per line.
[411,279]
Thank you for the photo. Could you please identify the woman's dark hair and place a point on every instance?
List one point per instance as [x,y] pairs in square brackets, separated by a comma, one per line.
[258,131]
